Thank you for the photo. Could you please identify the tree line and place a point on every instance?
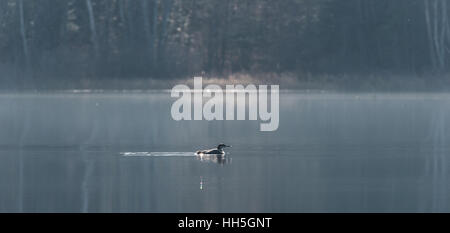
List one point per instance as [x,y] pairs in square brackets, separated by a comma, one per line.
[100,39]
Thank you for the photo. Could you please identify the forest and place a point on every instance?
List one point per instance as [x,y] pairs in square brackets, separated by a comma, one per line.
[71,41]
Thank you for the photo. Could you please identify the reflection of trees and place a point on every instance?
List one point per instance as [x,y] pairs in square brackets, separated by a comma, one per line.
[24,131]
[85,184]
[21,183]
[436,162]
[219,159]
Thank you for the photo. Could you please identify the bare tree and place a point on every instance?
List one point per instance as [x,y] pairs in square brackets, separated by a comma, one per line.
[146,23]
[26,51]
[94,39]
[154,27]
[437,27]
[167,8]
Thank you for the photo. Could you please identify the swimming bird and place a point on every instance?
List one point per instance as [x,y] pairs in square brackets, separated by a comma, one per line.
[216,151]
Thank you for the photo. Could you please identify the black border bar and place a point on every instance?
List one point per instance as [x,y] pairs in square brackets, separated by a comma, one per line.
[149,222]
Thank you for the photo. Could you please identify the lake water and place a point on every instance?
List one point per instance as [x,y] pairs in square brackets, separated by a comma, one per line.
[122,152]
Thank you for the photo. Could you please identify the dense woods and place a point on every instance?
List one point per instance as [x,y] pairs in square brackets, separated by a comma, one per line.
[42,40]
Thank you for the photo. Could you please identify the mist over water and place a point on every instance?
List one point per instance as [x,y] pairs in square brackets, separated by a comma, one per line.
[104,152]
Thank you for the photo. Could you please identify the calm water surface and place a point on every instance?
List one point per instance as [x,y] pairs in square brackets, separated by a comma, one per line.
[115,152]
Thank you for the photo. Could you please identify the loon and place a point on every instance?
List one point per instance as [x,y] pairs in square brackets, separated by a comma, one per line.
[216,151]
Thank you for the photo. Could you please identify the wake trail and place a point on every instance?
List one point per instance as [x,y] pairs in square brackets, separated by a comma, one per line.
[157,154]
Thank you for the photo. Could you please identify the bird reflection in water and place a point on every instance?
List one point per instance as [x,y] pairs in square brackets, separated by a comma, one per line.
[213,158]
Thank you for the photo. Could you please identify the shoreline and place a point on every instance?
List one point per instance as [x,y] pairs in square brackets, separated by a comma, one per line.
[288,81]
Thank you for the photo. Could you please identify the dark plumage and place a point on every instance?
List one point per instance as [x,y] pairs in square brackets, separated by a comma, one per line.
[216,151]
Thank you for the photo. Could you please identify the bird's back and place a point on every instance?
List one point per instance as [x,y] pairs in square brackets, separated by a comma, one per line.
[212,151]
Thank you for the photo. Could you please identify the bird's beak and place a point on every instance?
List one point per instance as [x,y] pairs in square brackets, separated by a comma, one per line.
[228,146]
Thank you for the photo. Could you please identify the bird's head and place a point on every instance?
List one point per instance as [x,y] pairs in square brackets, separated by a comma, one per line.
[221,146]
